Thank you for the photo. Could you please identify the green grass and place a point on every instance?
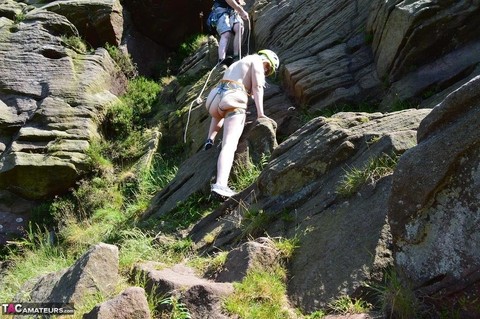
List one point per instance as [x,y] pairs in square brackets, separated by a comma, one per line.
[74,42]
[375,169]
[175,309]
[130,112]
[254,223]
[35,255]
[244,175]
[261,295]
[286,246]
[187,212]
[346,305]
[209,264]
[396,298]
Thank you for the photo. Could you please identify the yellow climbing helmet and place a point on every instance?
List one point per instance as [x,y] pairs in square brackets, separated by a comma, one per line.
[272,58]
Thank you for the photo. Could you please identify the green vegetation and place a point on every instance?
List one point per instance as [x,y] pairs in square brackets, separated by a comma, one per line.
[176,309]
[396,298]
[124,126]
[171,65]
[254,223]
[346,305]
[19,17]
[286,246]
[106,205]
[129,114]
[187,212]
[123,61]
[261,295]
[75,43]
[244,175]
[374,170]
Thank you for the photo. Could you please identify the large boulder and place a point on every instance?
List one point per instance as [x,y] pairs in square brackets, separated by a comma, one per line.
[99,22]
[434,209]
[51,98]
[423,48]
[94,272]
[347,237]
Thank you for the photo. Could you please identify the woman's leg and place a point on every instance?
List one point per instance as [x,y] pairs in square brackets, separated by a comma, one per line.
[215,125]
[223,45]
[232,130]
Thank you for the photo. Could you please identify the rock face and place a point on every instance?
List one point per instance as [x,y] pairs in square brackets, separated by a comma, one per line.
[333,54]
[96,271]
[322,48]
[297,193]
[98,21]
[51,97]
[434,209]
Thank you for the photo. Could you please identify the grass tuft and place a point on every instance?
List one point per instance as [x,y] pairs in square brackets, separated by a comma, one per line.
[374,170]
[261,295]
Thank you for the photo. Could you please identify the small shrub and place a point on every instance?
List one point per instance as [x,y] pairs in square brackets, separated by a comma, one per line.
[123,60]
[19,17]
[97,157]
[141,95]
[130,112]
[192,44]
[118,123]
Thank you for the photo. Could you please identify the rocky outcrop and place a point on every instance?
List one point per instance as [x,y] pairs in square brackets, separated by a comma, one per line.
[434,208]
[51,97]
[334,54]
[95,272]
[407,34]
[297,192]
[325,58]
[97,21]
